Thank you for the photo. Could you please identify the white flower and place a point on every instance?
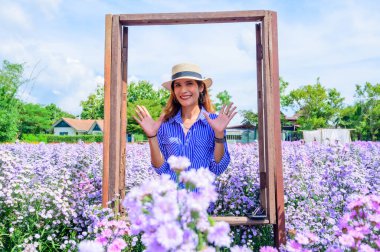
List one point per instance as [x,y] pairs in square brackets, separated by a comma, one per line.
[90,246]
[178,164]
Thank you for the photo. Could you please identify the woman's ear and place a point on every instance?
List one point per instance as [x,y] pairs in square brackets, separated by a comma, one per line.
[201,87]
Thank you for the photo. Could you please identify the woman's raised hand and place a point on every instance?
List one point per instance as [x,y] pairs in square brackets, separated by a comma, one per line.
[146,122]
[220,123]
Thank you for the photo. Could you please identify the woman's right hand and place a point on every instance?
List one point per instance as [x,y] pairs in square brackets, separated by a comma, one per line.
[146,122]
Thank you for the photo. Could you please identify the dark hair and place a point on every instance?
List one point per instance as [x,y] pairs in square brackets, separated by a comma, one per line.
[173,106]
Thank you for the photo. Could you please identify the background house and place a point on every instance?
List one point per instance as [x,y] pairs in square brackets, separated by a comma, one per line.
[244,133]
[71,127]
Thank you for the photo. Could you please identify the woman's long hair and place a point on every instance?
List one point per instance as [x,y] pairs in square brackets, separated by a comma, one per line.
[173,106]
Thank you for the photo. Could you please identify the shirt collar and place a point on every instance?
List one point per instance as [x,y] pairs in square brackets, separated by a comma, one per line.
[178,118]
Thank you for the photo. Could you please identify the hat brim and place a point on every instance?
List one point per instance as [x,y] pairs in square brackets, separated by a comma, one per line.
[207,82]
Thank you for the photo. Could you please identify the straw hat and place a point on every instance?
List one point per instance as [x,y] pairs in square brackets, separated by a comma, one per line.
[186,71]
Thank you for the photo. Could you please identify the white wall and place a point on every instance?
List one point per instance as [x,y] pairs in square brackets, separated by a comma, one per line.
[71,131]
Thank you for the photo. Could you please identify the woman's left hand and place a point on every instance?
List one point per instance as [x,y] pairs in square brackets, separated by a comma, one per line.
[220,123]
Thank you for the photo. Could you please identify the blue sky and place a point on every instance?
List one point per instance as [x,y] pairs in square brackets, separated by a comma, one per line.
[61,43]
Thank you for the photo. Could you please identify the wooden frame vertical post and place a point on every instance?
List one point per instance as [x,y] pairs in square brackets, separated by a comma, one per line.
[273,127]
[269,125]
[279,227]
[260,113]
[123,113]
[113,143]
[107,110]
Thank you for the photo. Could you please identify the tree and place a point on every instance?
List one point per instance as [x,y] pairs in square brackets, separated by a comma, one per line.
[38,119]
[364,114]
[56,113]
[224,98]
[93,107]
[249,117]
[140,93]
[34,119]
[319,107]
[143,93]
[11,78]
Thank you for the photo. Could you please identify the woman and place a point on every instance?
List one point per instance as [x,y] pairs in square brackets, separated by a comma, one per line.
[187,127]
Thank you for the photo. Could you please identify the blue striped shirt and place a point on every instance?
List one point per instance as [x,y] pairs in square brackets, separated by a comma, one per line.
[198,145]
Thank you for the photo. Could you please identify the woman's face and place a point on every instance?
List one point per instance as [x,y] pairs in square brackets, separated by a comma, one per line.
[187,92]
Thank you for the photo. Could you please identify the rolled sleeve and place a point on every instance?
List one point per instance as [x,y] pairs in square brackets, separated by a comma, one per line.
[219,167]
[163,169]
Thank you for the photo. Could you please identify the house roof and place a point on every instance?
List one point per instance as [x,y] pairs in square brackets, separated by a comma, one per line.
[100,123]
[80,124]
[242,126]
[293,117]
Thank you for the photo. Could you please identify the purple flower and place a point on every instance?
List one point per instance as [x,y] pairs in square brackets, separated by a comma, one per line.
[169,235]
[166,208]
[218,234]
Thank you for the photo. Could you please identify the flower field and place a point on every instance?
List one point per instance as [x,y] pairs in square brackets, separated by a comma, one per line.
[50,196]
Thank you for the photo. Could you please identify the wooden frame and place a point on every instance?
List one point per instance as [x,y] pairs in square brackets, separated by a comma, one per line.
[268,94]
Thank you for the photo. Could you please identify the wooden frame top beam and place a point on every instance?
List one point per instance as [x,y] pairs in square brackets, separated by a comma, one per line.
[192,17]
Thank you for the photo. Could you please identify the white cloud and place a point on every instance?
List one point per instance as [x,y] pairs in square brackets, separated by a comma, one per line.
[49,8]
[333,40]
[13,15]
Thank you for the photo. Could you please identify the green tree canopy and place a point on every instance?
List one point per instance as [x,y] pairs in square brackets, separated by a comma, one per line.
[224,98]
[318,106]
[93,107]
[34,119]
[249,117]
[140,93]
[364,114]
[38,119]
[11,78]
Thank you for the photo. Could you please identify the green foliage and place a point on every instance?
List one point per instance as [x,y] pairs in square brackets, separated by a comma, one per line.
[74,139]
[11,78]
[319,107]
[34,119]
[154,108]
[364,114]
[249,117]
[140,93]
[93,107]
[34,138]
[56,113]
[224,98]
[37,119]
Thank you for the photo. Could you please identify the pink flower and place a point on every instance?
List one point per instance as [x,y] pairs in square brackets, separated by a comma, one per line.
[107,233]
[268,249]
[366,248]
[358,202]
[301,239]
[117,245]
[293,246]
[102,240]
[347,240]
